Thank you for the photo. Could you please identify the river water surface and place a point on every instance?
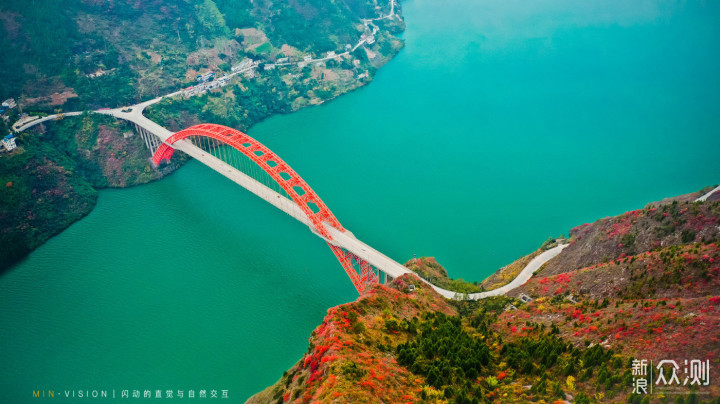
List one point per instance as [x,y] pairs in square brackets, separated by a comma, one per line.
[501,123]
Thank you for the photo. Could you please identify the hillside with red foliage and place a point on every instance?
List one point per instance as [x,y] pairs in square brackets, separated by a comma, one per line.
[644,285]
[638,231]
[350,358]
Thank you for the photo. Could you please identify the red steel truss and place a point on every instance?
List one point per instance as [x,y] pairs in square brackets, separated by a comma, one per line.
[290,181]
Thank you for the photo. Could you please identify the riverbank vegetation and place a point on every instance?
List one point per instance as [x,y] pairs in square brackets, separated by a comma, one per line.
[107,54]
[51,179]
[429,269]
[284,89]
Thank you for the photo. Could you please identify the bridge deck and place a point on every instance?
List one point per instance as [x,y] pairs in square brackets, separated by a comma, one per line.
[343,239]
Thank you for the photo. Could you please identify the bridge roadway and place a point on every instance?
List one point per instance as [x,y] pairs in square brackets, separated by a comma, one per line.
[345,240]
[28,124]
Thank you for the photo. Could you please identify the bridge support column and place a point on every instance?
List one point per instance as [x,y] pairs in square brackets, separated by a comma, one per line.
[151,141]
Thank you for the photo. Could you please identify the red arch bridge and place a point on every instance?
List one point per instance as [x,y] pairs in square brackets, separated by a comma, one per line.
[253,166]
[250,164]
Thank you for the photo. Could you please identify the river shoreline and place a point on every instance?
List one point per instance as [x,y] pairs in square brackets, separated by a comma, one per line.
[20,251]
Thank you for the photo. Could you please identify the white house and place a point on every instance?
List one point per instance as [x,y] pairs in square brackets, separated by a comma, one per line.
[247,62]
[9,142]
[189,91]
[9,103]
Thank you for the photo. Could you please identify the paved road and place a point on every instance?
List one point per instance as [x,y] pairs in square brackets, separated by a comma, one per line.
[43,119]
[136,115]
[704,197]
[390,14]
[524,275]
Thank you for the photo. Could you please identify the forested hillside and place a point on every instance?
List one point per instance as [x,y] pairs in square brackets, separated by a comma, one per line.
[51,180]
[98,53]
[565,336]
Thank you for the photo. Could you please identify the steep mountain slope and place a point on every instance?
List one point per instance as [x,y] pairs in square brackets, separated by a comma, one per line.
[674,221]
[51,179]
[109,53]
[571,338]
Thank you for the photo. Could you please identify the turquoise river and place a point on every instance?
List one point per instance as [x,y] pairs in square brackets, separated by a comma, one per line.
[501,123]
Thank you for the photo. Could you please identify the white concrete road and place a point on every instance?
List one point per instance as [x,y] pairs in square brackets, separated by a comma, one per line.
[524,275]
[707,195]
[26,124]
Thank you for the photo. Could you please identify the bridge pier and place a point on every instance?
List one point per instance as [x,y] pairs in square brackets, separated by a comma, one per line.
[151,141]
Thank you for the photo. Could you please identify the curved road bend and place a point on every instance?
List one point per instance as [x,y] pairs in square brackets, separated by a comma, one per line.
[524,275]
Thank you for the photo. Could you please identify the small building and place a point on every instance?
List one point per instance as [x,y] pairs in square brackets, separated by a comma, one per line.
[525,298]
[370,40]
[302,64]
[205,77]
[9,103]
[331,54]
[245,64]
[348,46]
[307,58]
[283,60]
[269,66]
[9,142]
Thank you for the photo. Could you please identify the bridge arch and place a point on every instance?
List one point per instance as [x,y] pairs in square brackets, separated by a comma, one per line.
[290,181]
[294,186]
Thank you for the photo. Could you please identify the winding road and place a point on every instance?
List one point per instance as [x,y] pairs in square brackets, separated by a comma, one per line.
[524,275]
